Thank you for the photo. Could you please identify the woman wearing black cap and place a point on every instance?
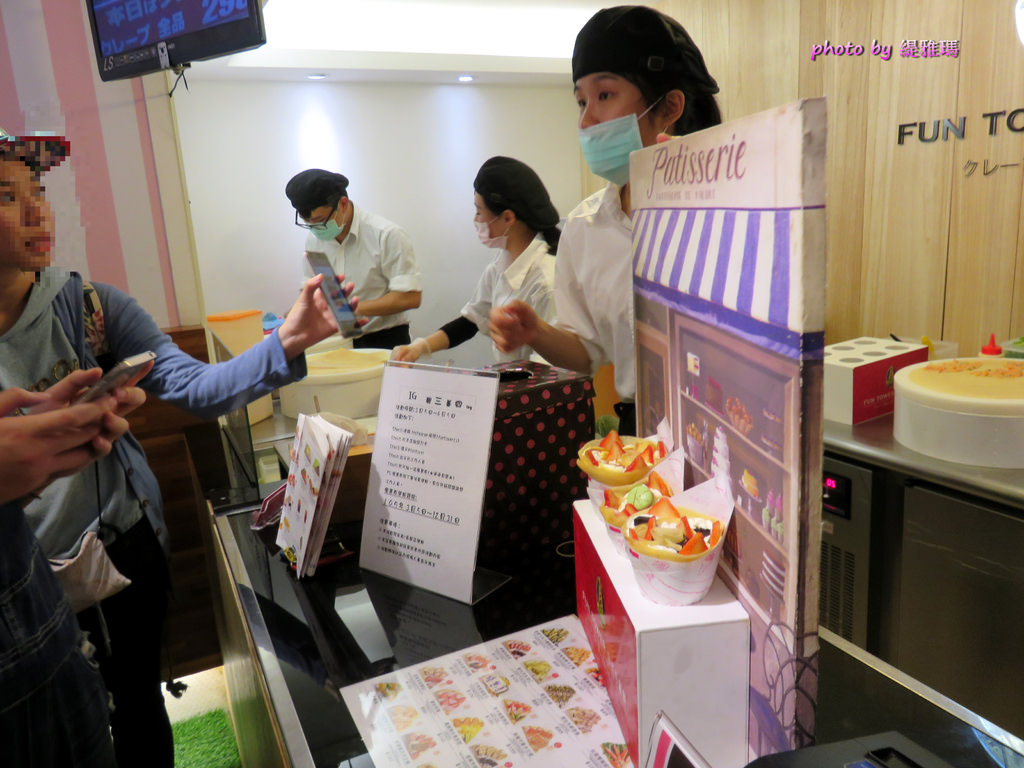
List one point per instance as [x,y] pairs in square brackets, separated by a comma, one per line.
[637,74]
[515,215]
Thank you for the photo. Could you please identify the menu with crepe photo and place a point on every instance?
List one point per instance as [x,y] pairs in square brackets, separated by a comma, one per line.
[317,460]
[532,698]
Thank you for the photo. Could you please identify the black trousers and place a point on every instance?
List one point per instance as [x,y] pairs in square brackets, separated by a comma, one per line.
[389,338]
[130,662]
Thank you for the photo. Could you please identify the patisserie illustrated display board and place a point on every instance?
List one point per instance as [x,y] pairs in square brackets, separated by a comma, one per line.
[729,287]
[425,494]
[533,698]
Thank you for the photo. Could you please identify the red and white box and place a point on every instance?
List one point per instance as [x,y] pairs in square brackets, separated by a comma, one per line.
[859,376]
[689,662]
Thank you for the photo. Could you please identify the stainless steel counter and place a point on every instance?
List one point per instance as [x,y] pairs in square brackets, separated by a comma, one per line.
[873,443]
[277,427]
[277,431]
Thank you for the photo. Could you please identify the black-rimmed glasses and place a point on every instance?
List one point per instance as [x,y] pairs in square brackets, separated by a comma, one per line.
[319,225]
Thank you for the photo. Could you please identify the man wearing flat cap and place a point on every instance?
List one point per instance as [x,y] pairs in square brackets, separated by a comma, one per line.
[369,250]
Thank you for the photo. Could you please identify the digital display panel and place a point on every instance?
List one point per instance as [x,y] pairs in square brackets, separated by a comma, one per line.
[137,37]
[835,494]
[123,25]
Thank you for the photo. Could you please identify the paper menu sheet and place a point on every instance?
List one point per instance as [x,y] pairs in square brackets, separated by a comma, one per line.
[532,698]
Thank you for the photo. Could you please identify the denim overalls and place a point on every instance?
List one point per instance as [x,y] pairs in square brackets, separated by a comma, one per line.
[53,705]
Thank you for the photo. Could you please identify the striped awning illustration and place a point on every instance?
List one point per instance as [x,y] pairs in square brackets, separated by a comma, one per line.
[746,261]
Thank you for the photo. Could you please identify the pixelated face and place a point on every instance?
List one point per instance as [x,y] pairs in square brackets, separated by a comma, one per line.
[26,223]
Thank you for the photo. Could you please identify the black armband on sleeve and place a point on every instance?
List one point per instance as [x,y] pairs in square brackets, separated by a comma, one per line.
[459,331]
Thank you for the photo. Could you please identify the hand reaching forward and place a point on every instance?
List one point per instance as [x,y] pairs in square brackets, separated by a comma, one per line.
[310,319]
[513,325]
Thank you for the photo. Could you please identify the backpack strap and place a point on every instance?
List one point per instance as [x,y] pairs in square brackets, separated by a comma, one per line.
[95,326]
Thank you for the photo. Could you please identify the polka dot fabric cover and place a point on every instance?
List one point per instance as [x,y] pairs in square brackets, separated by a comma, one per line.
[539,424]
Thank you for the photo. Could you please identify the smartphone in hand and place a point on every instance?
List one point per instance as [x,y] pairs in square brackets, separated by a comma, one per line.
[116,376]
[335,297]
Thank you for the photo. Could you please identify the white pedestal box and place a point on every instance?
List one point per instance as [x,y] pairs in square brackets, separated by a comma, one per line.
[689,662]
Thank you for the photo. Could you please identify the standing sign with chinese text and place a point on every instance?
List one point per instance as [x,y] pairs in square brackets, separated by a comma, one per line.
[427,476]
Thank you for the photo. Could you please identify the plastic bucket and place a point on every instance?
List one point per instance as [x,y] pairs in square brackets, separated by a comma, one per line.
[338,383]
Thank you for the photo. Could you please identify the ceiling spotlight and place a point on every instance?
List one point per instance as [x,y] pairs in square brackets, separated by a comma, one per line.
[465,78]
[318,76]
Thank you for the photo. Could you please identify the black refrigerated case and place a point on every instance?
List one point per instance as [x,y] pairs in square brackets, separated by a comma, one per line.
[922,567]
[961,614]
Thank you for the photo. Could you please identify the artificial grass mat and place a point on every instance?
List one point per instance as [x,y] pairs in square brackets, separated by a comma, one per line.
[205,741]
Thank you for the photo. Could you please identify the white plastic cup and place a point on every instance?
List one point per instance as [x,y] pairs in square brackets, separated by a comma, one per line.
[673,581]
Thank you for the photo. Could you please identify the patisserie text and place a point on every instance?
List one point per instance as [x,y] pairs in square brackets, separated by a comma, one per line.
[705,166]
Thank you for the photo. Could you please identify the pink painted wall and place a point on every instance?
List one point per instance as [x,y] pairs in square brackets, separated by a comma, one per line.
[106,198]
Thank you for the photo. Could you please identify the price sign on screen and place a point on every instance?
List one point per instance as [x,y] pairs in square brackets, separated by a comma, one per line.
[123,25]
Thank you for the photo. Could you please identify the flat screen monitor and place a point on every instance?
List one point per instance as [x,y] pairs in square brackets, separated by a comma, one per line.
[136,37]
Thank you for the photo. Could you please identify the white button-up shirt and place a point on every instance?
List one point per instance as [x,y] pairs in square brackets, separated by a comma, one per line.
[377,256]
[529,278]
[594,285]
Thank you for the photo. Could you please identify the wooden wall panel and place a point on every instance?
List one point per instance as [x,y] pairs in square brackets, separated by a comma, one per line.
[749,49]
[763,69]
[709,28]
[692,14]
[906,204]
[986,207]
[844,80]
[813,23]
[190,636]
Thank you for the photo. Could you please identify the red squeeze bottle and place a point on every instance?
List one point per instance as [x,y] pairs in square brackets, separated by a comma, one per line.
[992,349]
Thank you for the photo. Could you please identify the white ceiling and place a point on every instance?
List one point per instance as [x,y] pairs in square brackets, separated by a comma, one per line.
[411,41]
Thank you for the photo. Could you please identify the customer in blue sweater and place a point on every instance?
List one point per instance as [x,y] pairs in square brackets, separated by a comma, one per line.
[43,337]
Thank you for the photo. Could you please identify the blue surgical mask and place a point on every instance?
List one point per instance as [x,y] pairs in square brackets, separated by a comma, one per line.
[606,146]
[331,230]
